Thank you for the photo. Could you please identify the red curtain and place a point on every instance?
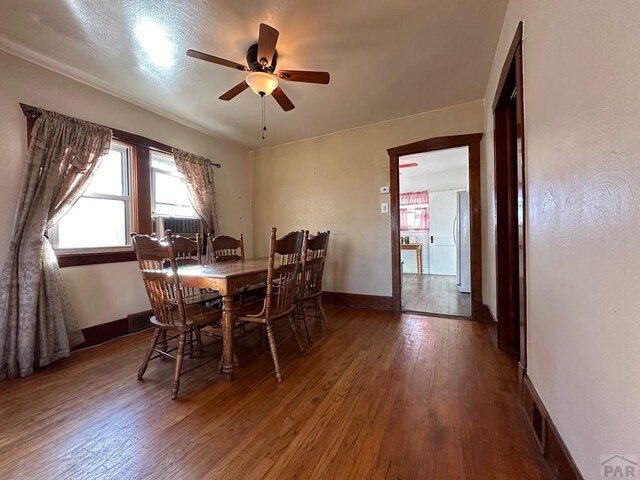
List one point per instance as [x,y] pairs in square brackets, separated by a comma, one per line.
[414,217]
[422,219]
[403,219]
[414,198]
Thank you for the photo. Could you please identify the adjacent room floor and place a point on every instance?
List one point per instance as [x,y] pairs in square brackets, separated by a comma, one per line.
[381,395]
[434,294]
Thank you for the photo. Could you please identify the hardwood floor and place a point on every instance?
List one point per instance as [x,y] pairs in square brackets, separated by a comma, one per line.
[434,294]
[381,395]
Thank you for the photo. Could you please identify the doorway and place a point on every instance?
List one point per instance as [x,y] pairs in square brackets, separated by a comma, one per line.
[437,284]
[434,232]
[508,111]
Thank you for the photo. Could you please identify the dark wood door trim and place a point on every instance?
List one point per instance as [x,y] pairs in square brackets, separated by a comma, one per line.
[439,143]
[508,108]
[515,44]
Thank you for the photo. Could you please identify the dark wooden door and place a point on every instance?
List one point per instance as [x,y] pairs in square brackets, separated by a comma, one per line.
[510,210]
[507,261]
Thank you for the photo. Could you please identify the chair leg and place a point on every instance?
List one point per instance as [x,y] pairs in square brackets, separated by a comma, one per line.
[303,313]
[274,352]
[300,317]
[175,385]
[297,313]
[262,335]
[164,345]
[152,346]
[199,339]
[189,343]
[320,307]
[295,333]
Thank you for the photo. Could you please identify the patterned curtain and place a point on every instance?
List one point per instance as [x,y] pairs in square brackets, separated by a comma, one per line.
[198,175]
[37,323]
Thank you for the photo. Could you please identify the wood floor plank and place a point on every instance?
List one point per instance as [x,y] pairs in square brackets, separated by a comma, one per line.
[380,396]
[436,294]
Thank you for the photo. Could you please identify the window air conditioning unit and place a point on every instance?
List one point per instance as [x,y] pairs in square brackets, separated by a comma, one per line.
[186,227]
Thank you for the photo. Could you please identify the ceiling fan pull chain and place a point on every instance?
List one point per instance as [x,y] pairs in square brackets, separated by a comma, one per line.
[264,121]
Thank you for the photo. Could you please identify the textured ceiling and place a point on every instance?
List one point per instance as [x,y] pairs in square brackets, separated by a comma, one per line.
[387,59]
[438,161]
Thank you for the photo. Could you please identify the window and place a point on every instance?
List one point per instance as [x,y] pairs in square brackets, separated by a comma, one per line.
[132,185]
[102,217]
[414,218]
[124,195]
[170,197]
[414,211]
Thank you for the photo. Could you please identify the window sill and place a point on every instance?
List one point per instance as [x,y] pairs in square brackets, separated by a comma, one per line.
[94,258]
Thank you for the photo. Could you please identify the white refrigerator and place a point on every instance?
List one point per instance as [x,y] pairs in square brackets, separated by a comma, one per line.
[462,238]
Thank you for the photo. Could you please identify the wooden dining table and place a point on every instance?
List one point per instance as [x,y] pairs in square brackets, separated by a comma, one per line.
[227,278]
[418,249]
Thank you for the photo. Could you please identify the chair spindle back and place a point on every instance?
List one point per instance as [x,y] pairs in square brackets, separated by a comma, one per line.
[162,283]
[313,261]
[283,276]
[186,250]
[225,248]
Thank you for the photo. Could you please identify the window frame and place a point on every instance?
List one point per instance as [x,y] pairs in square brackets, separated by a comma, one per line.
[126,197]
[170,160]
[142,220]
[140,184]
[410,208]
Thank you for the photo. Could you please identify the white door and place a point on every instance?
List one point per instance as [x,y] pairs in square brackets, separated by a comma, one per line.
[442,247]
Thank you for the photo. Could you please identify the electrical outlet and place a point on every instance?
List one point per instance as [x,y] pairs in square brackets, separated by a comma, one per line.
[384,207]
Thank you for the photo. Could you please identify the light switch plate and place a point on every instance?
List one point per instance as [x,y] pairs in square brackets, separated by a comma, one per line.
[384,189]
[384,207]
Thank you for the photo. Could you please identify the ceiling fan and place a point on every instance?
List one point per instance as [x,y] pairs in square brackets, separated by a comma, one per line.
[263,79]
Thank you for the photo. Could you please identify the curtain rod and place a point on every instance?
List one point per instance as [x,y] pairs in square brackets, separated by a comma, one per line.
[32,112]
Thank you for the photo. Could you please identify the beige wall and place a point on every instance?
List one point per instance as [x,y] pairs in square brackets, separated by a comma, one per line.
[582,115]
[435,182]
[103,293]
[332,182]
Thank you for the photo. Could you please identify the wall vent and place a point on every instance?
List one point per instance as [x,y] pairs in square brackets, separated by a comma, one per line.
[536,414]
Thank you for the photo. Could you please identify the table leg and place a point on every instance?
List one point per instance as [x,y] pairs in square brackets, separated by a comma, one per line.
[419,254]
[227,336]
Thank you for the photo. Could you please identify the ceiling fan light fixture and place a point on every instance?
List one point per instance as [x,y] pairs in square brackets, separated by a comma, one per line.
[262,83]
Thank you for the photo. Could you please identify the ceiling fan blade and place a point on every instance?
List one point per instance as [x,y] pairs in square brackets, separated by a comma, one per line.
[241,87]
[267,43]
[220,61]
[283,100]
[304,76]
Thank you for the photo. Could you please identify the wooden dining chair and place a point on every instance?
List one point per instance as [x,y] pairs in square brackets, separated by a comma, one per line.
[310,295]
[171,312]
[283,278]
[225,248]
[189,252]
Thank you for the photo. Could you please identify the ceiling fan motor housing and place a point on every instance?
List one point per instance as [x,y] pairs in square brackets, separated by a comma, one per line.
[254,62]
